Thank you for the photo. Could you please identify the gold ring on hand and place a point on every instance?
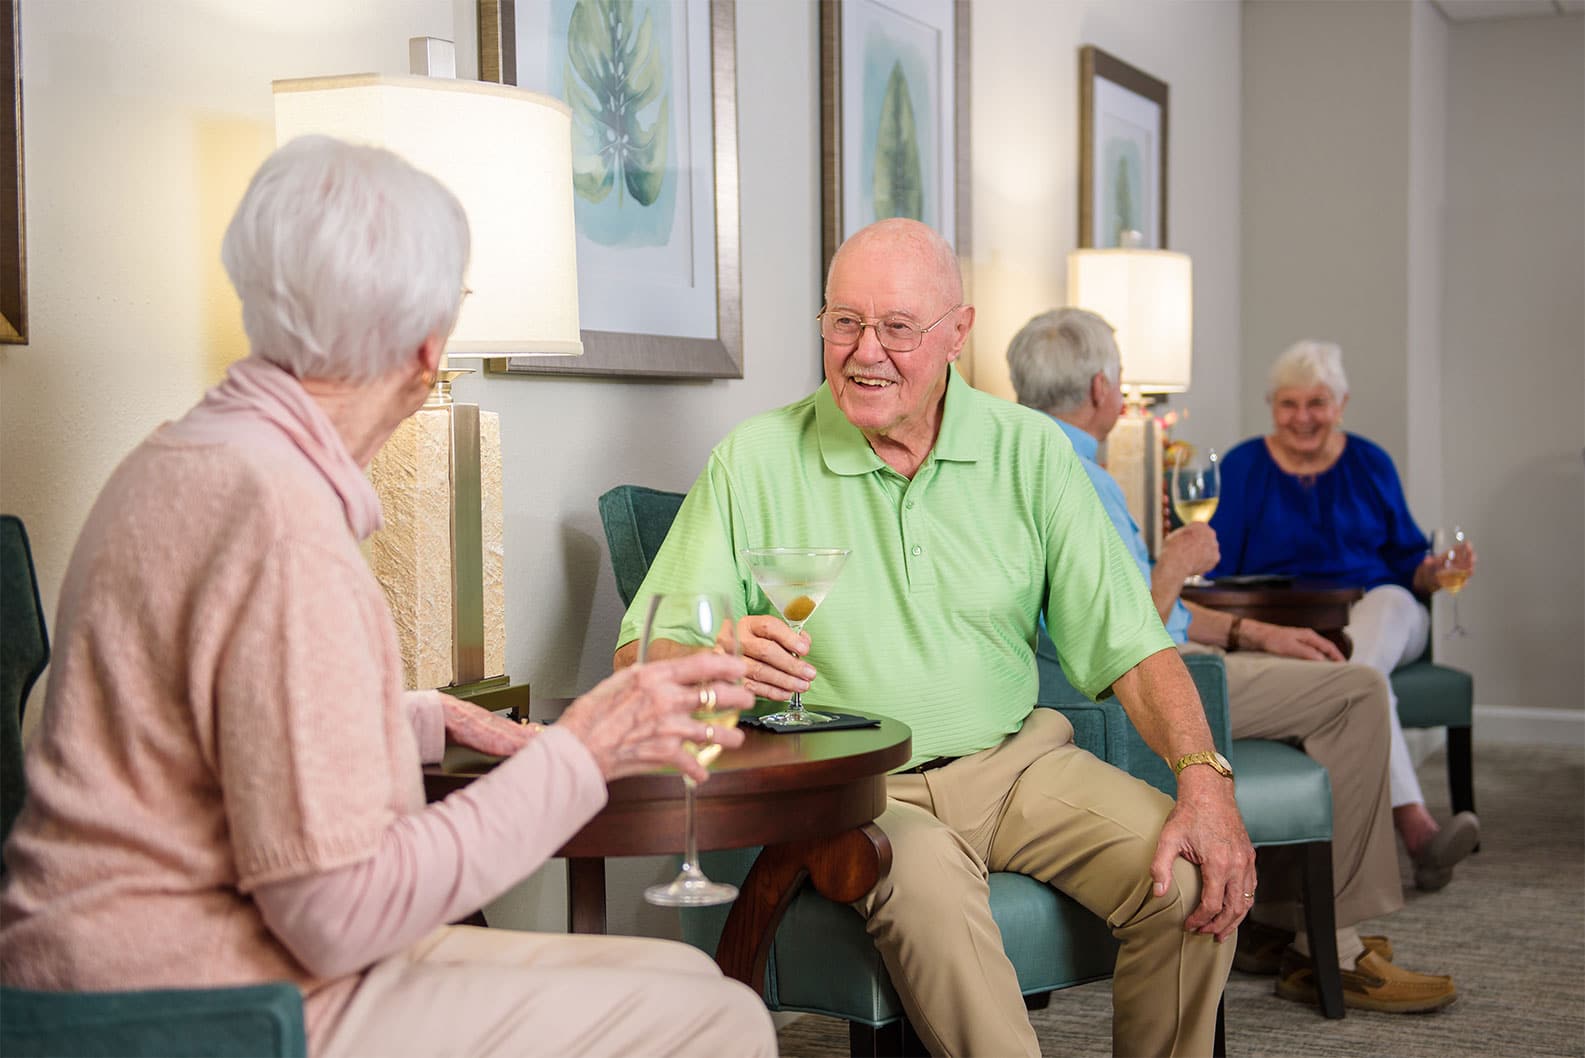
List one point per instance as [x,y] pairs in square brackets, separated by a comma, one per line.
[706,699]
[1249,896]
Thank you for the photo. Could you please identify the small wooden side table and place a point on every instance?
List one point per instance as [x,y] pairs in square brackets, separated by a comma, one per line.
[1300,605]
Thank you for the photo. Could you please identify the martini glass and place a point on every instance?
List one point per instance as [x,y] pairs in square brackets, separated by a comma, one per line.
[696,619]
[796,580]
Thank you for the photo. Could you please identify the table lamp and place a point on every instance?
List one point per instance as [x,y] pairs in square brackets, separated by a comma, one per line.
[1148,298]
[506,153]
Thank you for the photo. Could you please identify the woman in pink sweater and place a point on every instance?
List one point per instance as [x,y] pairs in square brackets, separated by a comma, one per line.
[225,788]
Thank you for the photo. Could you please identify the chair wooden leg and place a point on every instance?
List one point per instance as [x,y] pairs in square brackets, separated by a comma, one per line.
[1321,926]
[1219,1045]
[887,1041]
[1460,769]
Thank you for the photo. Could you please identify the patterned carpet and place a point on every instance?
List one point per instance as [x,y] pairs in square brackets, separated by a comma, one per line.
[1510,929]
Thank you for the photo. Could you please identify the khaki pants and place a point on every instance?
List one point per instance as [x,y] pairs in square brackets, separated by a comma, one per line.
[485,992]
[1340,716]
[1037,805]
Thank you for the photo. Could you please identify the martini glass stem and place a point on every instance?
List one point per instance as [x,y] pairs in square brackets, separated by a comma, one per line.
[795,705]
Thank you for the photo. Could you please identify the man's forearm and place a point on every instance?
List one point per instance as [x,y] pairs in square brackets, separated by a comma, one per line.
[659,650]
[1211,627]
[1160,698]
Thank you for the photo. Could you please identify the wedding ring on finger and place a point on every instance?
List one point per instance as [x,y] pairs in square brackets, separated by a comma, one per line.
[707,699]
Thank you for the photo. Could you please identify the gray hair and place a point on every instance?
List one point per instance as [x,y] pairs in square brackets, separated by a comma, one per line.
[346,259]
[1054,356]
[1308,363]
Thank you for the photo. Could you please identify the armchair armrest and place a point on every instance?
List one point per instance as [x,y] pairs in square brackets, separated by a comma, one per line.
[254,1020]
[1104,729]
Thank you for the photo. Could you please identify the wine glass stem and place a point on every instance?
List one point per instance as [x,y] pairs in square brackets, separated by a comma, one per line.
[795,705]
[690,837]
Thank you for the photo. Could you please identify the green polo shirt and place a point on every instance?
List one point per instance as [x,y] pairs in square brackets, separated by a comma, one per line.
[934,618]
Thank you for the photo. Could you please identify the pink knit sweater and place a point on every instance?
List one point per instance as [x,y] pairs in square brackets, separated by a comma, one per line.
[225,712]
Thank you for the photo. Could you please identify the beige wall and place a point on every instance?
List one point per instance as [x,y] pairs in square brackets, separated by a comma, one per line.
[1514,354]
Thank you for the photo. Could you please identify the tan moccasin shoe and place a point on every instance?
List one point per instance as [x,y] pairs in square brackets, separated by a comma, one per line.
[1260,947]
[1373,984]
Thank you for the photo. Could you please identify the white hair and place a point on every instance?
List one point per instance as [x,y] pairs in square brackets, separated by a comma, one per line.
[346,259]
[1054,356]
[1308,363]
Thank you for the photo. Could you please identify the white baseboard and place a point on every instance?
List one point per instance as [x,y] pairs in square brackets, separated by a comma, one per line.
[1530,726]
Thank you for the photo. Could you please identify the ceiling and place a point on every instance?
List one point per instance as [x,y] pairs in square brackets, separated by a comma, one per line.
[1481,10]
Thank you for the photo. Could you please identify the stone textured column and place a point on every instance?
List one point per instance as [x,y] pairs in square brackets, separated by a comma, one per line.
[411,555]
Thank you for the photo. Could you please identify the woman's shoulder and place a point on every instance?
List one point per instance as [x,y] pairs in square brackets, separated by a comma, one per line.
[1246,454]
[1362,451]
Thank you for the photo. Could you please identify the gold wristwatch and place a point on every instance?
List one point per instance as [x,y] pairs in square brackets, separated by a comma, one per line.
[1205,756]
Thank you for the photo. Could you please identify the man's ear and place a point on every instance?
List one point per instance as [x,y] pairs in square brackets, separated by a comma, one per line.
[1100,387]
[960,330]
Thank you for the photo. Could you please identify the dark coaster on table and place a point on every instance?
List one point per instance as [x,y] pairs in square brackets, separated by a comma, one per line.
[837,722]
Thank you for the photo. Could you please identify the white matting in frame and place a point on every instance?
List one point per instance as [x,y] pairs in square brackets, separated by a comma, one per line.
[655,175]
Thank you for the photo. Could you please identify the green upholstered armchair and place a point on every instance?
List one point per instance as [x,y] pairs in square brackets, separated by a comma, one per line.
[822,960]
[1433,695]
[253,1021]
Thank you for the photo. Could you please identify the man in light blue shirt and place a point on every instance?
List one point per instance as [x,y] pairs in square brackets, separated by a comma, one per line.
[1288,684]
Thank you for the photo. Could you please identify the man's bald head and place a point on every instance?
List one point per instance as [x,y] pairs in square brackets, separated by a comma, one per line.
[907,239]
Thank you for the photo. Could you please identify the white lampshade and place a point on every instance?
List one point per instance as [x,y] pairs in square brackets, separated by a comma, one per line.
[506,154]
[1148,297]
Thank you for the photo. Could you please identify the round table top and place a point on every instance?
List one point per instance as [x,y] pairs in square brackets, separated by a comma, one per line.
[772,789]
[1296,593]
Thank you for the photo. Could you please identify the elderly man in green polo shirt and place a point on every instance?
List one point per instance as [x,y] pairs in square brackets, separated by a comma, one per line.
[968,518]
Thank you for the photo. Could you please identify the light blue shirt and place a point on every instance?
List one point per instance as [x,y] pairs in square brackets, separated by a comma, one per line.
[1116,507]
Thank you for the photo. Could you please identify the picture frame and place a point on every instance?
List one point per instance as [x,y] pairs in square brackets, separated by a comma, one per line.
[1122,152]
[869,49]
[659,286]
[13,212]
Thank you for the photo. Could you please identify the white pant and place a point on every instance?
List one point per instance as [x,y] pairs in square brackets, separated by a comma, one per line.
[1389,627]
[501,993]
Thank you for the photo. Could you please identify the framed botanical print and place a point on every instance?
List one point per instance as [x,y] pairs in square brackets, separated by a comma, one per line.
[652,89]
[894,117]
[1122,154]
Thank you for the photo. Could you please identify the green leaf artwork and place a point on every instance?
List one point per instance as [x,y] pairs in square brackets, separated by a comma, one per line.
[899,176]
[613,75]
[1123,218]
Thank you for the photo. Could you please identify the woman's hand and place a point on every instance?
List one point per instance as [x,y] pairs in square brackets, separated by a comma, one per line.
[638,719]
[469,725]
[1425,582]
[1304,643]
[775,654]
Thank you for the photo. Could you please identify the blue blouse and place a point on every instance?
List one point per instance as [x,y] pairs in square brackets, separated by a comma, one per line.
[1348,526]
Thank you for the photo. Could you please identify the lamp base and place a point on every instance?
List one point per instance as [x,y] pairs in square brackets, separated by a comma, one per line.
[1133,457]
[412,555]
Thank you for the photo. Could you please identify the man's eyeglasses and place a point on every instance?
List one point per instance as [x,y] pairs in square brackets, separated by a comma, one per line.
[896,334]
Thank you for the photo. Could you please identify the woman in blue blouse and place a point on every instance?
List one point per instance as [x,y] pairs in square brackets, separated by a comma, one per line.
[1311,501]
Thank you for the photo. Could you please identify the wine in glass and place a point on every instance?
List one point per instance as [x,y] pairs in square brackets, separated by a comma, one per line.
[1196,490]
[796,580]
[703,620]
[1452,570]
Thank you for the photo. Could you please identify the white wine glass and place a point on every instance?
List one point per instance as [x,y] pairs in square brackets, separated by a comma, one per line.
[1451,547]
[1196,490]
[796,580]
[704,620]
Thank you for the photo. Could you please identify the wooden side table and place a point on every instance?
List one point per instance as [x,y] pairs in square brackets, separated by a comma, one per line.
[809,798]
[1300,605]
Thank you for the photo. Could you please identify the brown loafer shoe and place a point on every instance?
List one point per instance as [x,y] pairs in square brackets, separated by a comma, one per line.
[1433,867]
[1374,984]
[1260,948]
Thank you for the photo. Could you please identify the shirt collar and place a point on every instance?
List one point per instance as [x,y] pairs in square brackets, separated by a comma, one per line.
[1083,443]
[845,451]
